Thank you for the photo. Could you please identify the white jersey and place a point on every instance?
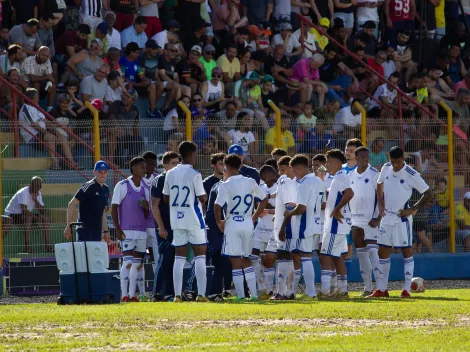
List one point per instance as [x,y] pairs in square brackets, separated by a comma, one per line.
[286,192]
[239,193]
[398,187]
[339,184]
[364,203]
[310,192]
[184,185]
[327,182]
[22,197]
[264,227]
[148,184]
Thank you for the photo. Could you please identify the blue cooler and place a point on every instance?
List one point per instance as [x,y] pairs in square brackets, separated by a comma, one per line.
[105,287]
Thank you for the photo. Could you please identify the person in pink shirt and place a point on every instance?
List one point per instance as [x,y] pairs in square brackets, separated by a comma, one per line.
[465,83]
[226,18]
[306,72]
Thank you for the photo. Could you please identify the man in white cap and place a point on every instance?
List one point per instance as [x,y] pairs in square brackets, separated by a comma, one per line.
[462,218]
[290,42]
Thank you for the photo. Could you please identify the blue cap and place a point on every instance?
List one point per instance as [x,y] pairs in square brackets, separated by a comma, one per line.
[236,149]
[101,166]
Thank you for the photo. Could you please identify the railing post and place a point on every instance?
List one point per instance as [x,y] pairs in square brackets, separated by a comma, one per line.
[277,112]
[400,116]
[189,122]
[96,131]
[450,152]
[363,122]
[16,132]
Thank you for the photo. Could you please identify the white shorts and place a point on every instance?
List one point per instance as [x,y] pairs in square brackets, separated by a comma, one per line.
[139,245]
[152,238]
[308,244]
[194,237]
[91,21]
[334,245]
[262,236]
[238,244]
[370,233]
[399,235]
[286,246]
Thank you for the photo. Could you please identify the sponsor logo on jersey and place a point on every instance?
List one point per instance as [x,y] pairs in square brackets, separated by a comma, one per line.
[180,215]
[238,218]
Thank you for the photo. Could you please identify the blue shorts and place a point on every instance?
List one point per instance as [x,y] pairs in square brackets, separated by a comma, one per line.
[349,238]
[83,235]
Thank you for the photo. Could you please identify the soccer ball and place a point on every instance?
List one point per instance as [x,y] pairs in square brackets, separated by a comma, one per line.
[418,285]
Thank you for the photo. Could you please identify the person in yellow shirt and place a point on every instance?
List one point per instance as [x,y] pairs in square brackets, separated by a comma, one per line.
[442,194]
[440,21]
[100,33]
[287,139]
[462,219]
[321,40]
[230,65]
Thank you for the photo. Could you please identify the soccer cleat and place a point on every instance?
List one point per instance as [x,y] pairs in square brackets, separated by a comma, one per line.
[378,294]
[341,296]
[202,299]
[306,298]
[189,296]
[177,299]
[216,298]
[143,298]
[125,299]
[254,298]
[157,298]
[278,297]
[322,296]
[291,297]
[333,291]
[134,299]
[365,294]
[405,294]
[239,300]
[264,297]
[227,294]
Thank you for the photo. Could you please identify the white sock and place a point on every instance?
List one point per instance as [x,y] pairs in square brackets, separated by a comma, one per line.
[309,276]
[343,283]
[365,267]
[326,281]
[375,261]
[250,278]
[258,270]
[178,268]
[201,275]
[334,279]
[281,278]
[133,276]
[295,286]
[237,276]
[141,279]
[127,260]
[385,265]
[409,269]
[290,277]
[269,279]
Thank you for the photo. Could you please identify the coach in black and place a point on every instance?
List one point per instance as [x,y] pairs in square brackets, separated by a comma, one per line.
[92,199]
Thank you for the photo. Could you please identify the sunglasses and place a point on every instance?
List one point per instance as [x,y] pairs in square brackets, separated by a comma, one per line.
[211,53]
[218,75]
[196,100]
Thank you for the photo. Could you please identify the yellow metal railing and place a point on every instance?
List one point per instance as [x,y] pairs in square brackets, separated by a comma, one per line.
[189,123]
[277,112]
[96,131]
[450,160]
[363,122]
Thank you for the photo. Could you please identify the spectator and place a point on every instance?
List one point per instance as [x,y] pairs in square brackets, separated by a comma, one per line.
[278,153]
[35,132]
[91,12]
[384,95]
[56,7]
[26,35]
[306,72]
[228,117]
[290,42]
[257,11]
[192,70]
[278,65]
[86,62]
[244,57]
[226,18]
[207,60]
[462,218]
[308,38]
[404,51]
[321,40]
[288,97]
[38,71]
[169,35]
[230,65]
[4,31]
[306,122]
[14,78]
[72,42]
[240,39]
[457,70]
[287,139]
[114,36]
[197,36]
[95,86]
[376,64]
[149,59]
[135,33]
[465,84]
[19,211]
[172,124]
[243,135]
[460,108]
[149,10]
[367,11]
[24,10]
[101,33]
[125,14]
[392,64]
[440,21]
[13,59]
[344,9]
[115,89]
[398,18]
[112,59]
[438,88]
[457,35]
[254,39]
[213,90]
[46,35]
[348,122]
[369,37]
[326,114]
[267,92]
[242,90]
[442,194]
[377,153]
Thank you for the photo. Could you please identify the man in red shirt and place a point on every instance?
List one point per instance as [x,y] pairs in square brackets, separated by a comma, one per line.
[376,64]
[72,42]
[399,15]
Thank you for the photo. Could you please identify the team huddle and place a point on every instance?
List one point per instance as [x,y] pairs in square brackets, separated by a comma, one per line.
[271,230]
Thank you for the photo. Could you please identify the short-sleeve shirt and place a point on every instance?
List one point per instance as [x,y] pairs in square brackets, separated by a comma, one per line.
[244,139]
[30,66]
[208,67]
[129,35]
[22,197]
[302,70]
[18,36]
[24,9]
[250,172]
[130,69]
[157,192]
[5,64]
[286,193]
[95,89]
[220,16]
[229,67]
[150,64]
[339,184]
[287,139]
[328,70]
[169,67]
[309,123]
[282,96]
[70,38]
[256,10]
[93,200]
[421,94]
[384,92]
[364,203]
[292,43]
[461,213]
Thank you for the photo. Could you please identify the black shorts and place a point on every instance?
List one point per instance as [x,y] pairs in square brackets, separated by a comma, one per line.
[374,112]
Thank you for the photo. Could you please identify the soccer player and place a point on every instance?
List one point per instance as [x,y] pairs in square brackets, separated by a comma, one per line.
[161,212]
[285,198]
[238,194]
[309,200]
[394,187]
[130,211]
[337,226]
[184,192]
[365,217]
[263,240]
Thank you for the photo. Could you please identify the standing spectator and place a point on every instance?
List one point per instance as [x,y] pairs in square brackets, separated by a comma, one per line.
[198,35]
[344,9]
[19,211]
[56,7]
[230,65]
[38,71]
[149,10]
[101,33]
[287,139]
[399,15]
[125,11]
[135,33]
[226,18]
[86,62]
[321,40]
[462,218]
[95,86]
[26,35]
[25,10]
[377,155]
[367,10]
[257,11]
[114,36]
[439,12]
[188,14]
[306,72]
[46,35]
[428,9]
[90,12]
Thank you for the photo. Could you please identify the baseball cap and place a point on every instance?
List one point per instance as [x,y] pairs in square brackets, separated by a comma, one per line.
[286,27]
[466,195]
[173,24]
[64,97]
[103,27]
[209,48]
[268,78]
[237,149]
[251,76]
[252,29]
[97,104]
[325,22]
[151,43]
[370,24]
[197,48]
[101,166]
[133,93]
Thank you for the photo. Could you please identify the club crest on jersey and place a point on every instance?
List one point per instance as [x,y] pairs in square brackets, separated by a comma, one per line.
[402,181]
[317,221]
[348,221]
[366,180]
[180,215]
[238,218]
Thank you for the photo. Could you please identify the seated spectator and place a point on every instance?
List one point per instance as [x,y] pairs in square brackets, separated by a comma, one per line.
[112,59]
[240,39]
[392,64]
[207,60]
[348,122]
[244,57]
[465,83]
[377,155]
[462,219]
[438,88]
[404,50]
[26,35]
[14,78]
[38,71]
[278,65]
[72,42]
[358,67]
[197,36]
[213,90]
[384,95]
[308,38]
[95,86]
[426,160]
[287,139]
[228,117]
[173,119]
[13,59]
[306,72]
[267,93]
[135,76]
[86,62]
[368,37]
[326,114]
[290,43]
[460,108]
[456,35]
[35,132]
[321,41]
[114,36]
[375,63]
[306,122]
[135,33]
[243,135]
[442,194]
[4,31]
[76,104]
[101,33]
[230,65]
[226,18]
[258,40]
[192,70]
[169,35]
[115,89]
[19,212]
[288,97]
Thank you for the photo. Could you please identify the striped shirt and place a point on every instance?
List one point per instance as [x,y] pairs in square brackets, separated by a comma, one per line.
[91,7]
[28,116]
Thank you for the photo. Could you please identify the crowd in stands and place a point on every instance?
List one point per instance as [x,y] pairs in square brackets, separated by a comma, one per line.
[227,59]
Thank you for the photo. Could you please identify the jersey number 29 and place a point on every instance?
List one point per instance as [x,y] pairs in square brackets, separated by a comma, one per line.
[248,200]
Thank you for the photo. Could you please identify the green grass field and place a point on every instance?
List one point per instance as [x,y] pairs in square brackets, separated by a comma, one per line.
[438,320]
